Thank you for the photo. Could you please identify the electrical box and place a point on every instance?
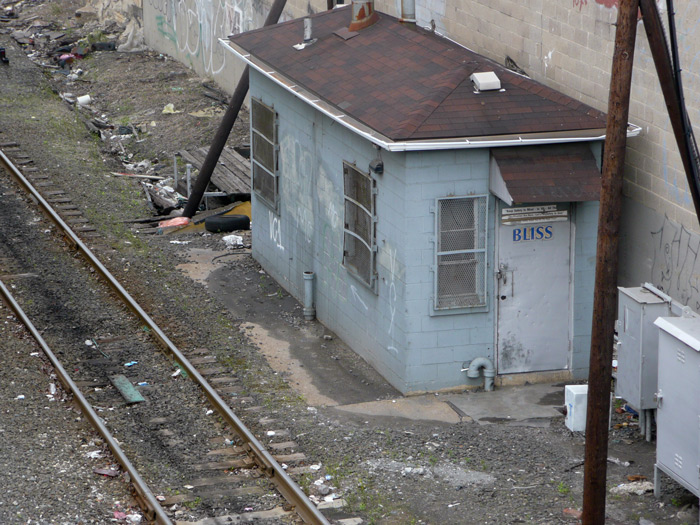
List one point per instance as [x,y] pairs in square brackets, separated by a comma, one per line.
[576,401]
[637,353]
[678,410]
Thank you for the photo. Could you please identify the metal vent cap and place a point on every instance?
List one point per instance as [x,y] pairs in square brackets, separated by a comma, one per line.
[486,81]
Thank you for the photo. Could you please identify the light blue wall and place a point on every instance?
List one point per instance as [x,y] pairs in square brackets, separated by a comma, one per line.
[439,344]
[307,232]
[585,218]
[392,326]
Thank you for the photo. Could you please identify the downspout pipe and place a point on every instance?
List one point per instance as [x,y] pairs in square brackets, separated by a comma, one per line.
[309,308]
[227,122]
[474,368]
[408,12]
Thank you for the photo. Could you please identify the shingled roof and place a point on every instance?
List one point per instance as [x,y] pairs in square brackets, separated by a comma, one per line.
[410,84]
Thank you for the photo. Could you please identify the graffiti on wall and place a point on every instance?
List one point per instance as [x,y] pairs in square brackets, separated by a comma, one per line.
[195,26]
[392,299]
[676,267]
[578,4]
[298,165]
[276,230]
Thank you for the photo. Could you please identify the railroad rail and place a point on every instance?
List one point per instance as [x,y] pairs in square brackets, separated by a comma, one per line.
[289,490]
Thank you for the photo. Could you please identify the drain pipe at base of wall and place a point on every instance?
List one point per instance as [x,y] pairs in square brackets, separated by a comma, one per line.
[474,368]
[309,309]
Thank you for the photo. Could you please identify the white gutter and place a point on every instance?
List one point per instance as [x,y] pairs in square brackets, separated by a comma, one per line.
[414,145]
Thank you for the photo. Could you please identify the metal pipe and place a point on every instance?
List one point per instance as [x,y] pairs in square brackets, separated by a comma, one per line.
[476,366]
[408,12]
[155,510]
[175,173]
[605,294]
[309,309]
[307,30]
[227,122]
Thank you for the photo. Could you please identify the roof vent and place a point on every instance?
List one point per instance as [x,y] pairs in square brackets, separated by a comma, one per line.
[486,81]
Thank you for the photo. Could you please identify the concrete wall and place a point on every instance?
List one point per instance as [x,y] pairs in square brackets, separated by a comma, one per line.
[585,219]
[307,233]
[189,30]
[568,45]
[392,326]
[439,344]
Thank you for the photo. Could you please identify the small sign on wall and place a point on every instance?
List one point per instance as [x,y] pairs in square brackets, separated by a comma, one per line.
[533,214]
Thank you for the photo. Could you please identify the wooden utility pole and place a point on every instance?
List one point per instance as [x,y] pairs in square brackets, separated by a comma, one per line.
[669,79]
[604,301]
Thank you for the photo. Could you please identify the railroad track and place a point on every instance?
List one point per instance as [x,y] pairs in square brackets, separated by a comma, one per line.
[181,442]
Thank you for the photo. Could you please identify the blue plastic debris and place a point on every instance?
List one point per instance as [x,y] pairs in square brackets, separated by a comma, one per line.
[631,410]
[131,363]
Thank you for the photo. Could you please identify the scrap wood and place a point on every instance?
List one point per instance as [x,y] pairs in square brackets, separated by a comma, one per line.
[136,176]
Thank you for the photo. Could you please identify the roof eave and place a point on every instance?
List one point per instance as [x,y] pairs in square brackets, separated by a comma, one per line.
[381,140]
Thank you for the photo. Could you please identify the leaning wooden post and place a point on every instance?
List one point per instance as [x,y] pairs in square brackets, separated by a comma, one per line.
[604,302]
[227,122]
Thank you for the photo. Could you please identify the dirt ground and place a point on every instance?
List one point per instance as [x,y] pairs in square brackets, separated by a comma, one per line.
[391,471]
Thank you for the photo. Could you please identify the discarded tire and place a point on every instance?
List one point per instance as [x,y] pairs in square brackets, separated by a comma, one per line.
[226,223]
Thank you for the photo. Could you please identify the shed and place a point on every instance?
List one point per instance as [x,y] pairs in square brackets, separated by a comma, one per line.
[444,220]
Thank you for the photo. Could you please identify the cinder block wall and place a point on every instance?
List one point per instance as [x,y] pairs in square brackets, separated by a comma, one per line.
[568,45]
[306,232]
[439,344]
[189,31]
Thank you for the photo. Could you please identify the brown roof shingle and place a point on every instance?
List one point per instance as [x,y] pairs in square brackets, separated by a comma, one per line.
[549,173]
[410,84]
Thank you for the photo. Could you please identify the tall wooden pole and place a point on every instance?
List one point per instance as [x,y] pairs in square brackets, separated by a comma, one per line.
[602,337]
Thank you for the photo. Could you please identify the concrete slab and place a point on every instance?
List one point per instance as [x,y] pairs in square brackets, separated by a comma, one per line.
[327,373]
[527,405]
[424,408]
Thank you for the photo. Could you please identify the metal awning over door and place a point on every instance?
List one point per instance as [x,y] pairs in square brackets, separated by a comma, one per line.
[548,173]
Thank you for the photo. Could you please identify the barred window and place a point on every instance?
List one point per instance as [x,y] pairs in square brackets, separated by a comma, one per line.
[359,220]
[460,277]
[264,151]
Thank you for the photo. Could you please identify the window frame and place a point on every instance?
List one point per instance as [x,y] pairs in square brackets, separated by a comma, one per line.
[256,165]
[371,281]
[481,231]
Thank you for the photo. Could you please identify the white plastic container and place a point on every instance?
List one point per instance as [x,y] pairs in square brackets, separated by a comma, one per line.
[576,399]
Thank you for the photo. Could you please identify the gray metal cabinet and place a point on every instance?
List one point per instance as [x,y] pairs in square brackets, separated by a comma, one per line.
[637,354]
[678,404]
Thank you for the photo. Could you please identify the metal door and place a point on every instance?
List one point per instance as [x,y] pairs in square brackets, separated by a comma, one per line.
[533,285]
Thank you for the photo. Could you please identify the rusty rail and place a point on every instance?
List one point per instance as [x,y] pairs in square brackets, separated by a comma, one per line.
[284,484]
[154,511]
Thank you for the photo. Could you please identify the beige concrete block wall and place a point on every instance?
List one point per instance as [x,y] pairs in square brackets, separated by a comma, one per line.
[189,30]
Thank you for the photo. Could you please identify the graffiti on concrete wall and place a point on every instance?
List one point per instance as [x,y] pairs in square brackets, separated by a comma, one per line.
[276,230]
[195,26]
[392,298]
[675,267]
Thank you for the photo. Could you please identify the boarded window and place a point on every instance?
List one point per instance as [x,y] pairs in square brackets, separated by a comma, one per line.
[461,253]
[264,151]
[359,231]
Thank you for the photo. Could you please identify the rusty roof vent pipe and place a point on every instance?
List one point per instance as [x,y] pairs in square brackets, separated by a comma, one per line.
[408,12]
[363,14]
